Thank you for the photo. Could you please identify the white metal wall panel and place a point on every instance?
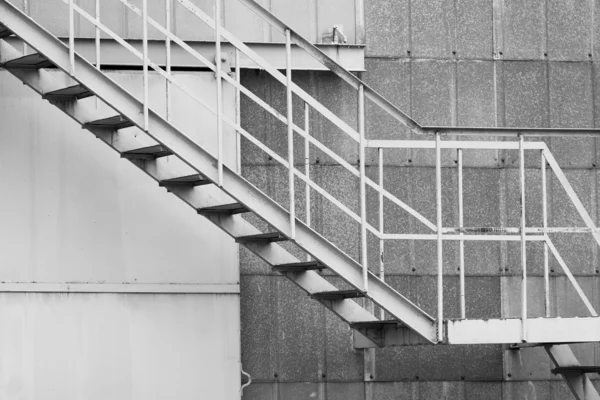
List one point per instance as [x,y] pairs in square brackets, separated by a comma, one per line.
[311,18]
[76,212]
[76,216]
[118,346]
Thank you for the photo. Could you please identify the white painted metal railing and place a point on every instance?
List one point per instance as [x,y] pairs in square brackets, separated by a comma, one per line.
[358,136]
[523,234]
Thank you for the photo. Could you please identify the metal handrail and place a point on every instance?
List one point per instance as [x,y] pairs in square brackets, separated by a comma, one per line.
[440,233]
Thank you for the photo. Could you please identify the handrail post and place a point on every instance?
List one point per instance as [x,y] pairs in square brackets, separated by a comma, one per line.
[218,73]
[238,112]
[523,241]
[381,227]
[290,132]
[168,56]
[363,189]
[71,38]
[97,35]
[307,166]
[461,242]
[440,257]
[145,51]
[545,225]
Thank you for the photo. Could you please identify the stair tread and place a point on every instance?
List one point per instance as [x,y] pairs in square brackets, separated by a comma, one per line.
[4,32]
[224,209]
[147,153]
[375,324]
[262,238]
[338,295]
[185,181]
[299,266]
[577,368]
[30,61]
[71,92]
[115,122]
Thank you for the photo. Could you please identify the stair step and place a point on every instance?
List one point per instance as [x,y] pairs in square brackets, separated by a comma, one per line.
[70,93]
[31,61]
[4,32]
[147,153]
[299,266]
[114,123]
[338,295]
[375,324]
[185,181]
[582,369]
[224,209]
[262,238]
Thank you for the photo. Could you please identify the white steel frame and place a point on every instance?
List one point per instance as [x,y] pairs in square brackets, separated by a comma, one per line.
[364,92]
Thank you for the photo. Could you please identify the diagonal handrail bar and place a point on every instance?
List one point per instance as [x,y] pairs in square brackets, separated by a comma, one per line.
[390,108]
[255,57]
[333,66]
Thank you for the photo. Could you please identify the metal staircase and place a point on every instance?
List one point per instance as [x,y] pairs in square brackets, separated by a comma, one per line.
[219,191]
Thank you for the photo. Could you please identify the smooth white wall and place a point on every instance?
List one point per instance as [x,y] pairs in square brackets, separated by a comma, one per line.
[71,210]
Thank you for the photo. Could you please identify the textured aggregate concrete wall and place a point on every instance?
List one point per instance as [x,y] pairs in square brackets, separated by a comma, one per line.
[462,63]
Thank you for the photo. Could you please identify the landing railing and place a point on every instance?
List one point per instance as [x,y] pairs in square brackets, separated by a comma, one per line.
[357,137]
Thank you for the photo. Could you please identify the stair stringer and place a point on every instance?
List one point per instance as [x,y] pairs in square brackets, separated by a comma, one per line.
[581,386]
[206,164]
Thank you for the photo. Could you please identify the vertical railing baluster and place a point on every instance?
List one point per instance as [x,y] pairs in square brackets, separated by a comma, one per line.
[307,166]
[218,74]
[71,38]
[238,112]
[363,189]
[290,132]
[168,57]
[26,12]
[381,227]
[545,225]
[97,35]
[461,248]
[145,67]
[440,257]
[523,241]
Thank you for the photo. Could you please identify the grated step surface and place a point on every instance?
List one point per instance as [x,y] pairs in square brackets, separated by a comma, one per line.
[224,209]
[31,61]
[185,181]
[262,238]
[580,369]
[375,324]
[114,123]
[70,93]
[147,153]
[338,295]
[299,267]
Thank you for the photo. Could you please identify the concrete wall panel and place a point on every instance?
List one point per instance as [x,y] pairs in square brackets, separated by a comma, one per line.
[569,30]
[300,347]
[387,28]
[433,28]
[524,29]
[473,33]
[391,78]
[571,105]
[476,104]
[259,335]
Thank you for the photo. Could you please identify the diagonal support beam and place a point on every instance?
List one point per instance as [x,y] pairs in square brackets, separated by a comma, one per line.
[205,163]
[580,385]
